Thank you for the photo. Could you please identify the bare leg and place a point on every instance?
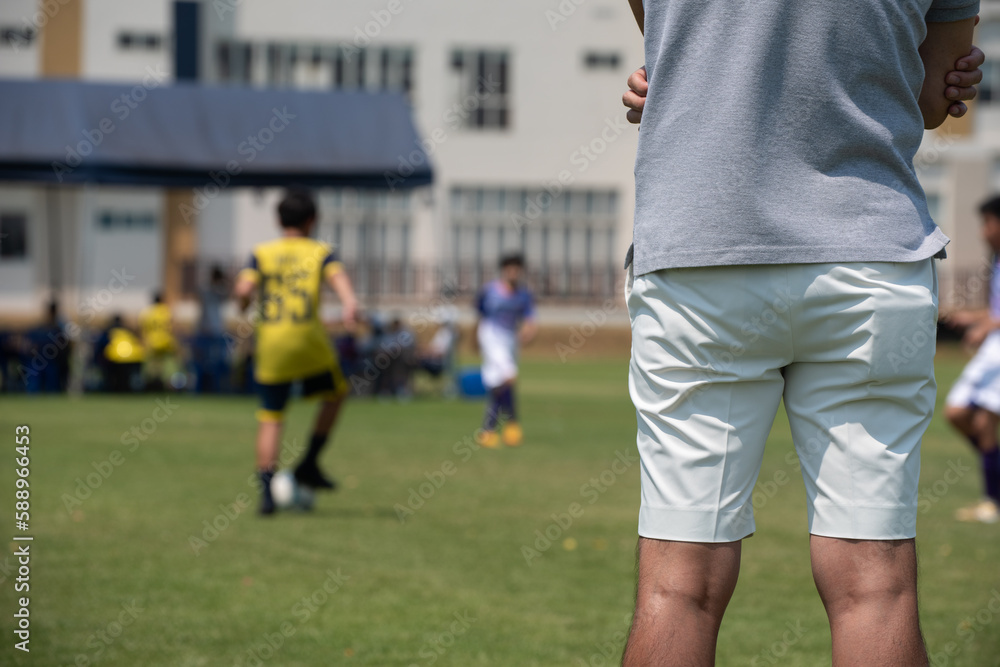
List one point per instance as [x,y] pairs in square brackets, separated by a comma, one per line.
[869,589]
[327,416]
[961,419]
[984,428]
[268,444]
[682,591]
[307,471]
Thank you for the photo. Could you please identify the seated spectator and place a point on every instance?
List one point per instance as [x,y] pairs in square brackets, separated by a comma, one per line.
[437,355]
[156,323]
[122,355]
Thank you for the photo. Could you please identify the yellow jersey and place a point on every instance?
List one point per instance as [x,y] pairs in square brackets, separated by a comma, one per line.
[154,322]
[123,347]
[291,341]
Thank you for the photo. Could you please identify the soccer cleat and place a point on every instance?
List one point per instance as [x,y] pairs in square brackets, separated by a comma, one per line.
[267,506]
[312,476]
[512,434]
[488,439]
[985,511]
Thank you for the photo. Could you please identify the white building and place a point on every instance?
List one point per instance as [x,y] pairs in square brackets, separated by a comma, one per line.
[518,103]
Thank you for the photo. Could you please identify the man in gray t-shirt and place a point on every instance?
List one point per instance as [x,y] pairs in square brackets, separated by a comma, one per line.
[782,250]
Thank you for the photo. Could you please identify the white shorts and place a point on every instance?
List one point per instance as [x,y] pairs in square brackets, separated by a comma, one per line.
[850,347]
[979,383]
[499,350]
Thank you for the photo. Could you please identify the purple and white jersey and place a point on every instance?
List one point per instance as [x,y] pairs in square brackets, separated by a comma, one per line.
[503,307]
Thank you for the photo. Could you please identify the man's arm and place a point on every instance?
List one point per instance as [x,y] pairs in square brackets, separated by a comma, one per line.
[958,86]
[639,13]
[944,45]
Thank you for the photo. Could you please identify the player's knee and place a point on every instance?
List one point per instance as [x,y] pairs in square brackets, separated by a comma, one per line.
[877,586]
[689,594]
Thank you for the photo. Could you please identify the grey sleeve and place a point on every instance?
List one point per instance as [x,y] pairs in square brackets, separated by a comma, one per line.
[947,11]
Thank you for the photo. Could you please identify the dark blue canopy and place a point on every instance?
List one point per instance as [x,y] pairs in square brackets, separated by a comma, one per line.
[181,135]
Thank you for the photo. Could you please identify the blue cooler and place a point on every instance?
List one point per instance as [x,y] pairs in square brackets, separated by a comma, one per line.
[470,382]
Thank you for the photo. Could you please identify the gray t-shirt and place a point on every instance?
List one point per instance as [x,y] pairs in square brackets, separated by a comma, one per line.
[783,131]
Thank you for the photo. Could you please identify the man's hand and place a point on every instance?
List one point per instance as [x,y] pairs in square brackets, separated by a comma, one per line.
[962,80]
[349,314]
[635,98]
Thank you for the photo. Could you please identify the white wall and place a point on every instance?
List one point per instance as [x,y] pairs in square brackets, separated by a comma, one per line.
[103,20]
[19,60]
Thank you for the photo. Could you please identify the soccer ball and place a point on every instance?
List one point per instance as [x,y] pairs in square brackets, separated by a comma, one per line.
[288,494]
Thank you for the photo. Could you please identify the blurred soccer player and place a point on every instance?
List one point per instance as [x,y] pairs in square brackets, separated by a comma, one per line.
[506,321]
[782,251]
[286,276]
[156,326]
[973,404]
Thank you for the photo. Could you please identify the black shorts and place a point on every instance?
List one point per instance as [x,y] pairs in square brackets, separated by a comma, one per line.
[274,397]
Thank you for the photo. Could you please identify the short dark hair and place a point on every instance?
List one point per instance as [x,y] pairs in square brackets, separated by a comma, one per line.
[512,259]
[157,297]
[991,207]
[296,209]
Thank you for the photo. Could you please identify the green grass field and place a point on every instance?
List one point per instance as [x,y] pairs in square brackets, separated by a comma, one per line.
[135,573]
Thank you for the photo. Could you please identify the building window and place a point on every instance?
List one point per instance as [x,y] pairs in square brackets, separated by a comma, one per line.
[601,60]
[568,239]
[126,220]
[17,37]
[372,232]
[315,66]
[483,88]
[235,62]
[13,236]
[139,41]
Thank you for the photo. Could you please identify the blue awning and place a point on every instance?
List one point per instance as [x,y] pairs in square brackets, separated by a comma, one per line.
[181,135]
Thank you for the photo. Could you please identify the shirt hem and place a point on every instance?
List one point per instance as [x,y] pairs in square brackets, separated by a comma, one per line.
[672,259]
